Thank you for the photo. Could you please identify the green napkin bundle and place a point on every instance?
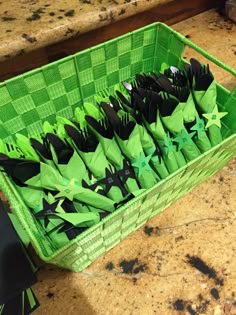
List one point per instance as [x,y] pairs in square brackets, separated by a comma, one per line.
[205,93]
[172,118]
[148,102]
[179,86]
[102,129]
[128,137]
[91,151]
[47,193]
[149,145]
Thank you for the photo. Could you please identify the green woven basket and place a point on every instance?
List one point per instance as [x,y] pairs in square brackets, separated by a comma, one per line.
[58,88]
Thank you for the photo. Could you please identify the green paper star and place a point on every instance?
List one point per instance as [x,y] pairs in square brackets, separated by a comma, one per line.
[142,163]
[199,127]
[184,138]
[69,190]
[214,117]
[168,145]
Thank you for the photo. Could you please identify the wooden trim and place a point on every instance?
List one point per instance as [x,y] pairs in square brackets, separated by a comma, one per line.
[169,13]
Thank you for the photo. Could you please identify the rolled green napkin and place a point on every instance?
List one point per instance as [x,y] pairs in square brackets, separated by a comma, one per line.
[148,103]
[103,130]
[148,144]
[190,116]
[90,150]
[128,137]
[205,93]
[42,176]
[172,118]
[178,86]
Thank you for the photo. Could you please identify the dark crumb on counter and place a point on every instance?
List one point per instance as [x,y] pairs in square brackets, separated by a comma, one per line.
[187,36]
[103,18]
[202,308]
[191,311]
[221,179]
[69,31]
[47,5]
[74,297]
[111,16]
[179,238]
[70,13]
[8,18]
[132,266]
[235,52]
[62,10]
[60,17]
[148,230]
[50,295]
[29,38]
[103,8]
[200,297]
[109,266]
[52,13]
[8,31]
[127,266]
[219,281]
[122,11]
[36,15]
[134,280]
[127,1]
[201,266]
[138,269]
[158,230]
[179,305]
[86,1]
[135,3]
[215,293]
[33,17]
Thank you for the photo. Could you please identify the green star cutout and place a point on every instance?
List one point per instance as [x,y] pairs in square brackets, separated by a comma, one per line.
[142,163]
[167,145]
[214,117]
[199,127]
[68,191]
[183,138]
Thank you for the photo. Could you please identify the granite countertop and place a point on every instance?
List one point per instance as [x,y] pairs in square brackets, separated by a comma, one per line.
[149,273]
[31,24]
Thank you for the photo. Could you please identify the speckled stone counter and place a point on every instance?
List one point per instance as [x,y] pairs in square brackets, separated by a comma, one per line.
[148,273]
[31,24]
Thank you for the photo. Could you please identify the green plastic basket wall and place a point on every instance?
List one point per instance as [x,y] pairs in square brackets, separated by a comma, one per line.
[58,88]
